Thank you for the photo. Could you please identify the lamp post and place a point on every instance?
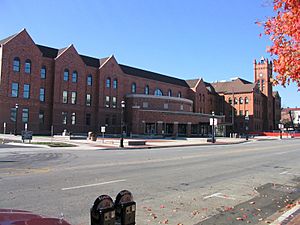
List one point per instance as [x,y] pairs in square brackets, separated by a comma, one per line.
[122,122]
[16,119]
[213,127]
[246,126]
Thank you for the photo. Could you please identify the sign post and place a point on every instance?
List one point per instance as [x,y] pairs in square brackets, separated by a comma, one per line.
[103,132]
[4,128]
[280,126]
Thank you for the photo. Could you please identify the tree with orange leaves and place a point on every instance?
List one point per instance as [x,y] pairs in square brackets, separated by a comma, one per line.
[284,32]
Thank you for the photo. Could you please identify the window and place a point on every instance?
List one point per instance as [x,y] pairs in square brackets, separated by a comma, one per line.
[230,101]
[235,101]
[170,93]
[133,88]
[181,107]
[115,84]
[107,101]
[241,112]
[88,119]
[73,118]
[262,85]
[258,84]
[107,84]
[246,100]
[74,77]
[66,75]
[42,94]
[13,114]
[107,120]
[41,117]
[65,97]
[28,66]
[241,100]
[88,100]
[179,94]
[146,90]
[64,117]
[26,91]
[246,112]
[73,97]
[14,90]
[43,72]
[158,92]
[25,115]
[114,102]
[166,105]
[89,80]
[16,65]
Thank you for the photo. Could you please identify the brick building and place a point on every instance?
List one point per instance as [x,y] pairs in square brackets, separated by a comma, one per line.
[60,89]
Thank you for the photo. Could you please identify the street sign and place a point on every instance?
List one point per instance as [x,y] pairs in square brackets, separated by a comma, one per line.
[213,121]
[280,126]
[103,129]
[26,135]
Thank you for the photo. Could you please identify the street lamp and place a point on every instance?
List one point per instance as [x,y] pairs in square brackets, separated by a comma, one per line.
[16,119]
[246,126]
[122,122]
[213,127]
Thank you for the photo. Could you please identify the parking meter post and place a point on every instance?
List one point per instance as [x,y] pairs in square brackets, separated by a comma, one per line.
[125,208]
[103,211]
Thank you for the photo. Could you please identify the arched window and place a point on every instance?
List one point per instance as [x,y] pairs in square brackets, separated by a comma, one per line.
[115,84]
[89,80]
[230,101]
[169,92]
[16,65]
[235,101]
[146,90]
[27,66]
[107,84]
[66,75]
[179,94]
[241,100]
[133,88]
[74,76]
[158,92]
[246,100]
[43,72]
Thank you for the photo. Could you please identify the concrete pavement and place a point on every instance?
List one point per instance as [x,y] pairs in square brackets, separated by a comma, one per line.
[114,143]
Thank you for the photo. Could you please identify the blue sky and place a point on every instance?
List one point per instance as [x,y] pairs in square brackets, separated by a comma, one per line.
[216,40]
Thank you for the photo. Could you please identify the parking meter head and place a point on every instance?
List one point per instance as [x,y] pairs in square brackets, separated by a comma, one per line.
[103,211]
[125,208]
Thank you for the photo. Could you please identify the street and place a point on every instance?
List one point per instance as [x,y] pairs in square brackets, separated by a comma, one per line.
[183,185]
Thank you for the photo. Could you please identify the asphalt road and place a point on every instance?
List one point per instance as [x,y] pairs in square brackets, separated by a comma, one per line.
[171,185]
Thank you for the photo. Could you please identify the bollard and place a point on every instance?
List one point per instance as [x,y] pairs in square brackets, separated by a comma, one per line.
[125,208]
[103,211]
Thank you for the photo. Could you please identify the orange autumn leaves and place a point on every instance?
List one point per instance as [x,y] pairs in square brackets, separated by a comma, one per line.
[284,32]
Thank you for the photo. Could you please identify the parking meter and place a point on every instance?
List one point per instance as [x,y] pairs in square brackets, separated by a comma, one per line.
[103,211]
[125,208]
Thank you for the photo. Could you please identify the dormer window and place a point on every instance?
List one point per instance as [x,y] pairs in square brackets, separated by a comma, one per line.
[133,88]
[146,90]
[158,92]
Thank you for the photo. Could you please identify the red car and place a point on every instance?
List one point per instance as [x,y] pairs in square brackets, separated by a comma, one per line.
[21,217]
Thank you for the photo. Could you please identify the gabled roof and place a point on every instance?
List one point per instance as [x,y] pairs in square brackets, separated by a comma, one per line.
[3,41]
[210,88]
[53,53]
[153,76]
[47,51]
[192,83]
[235,86]
[103,60]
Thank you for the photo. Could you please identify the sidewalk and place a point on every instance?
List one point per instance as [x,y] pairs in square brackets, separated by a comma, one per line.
[290,217]
[114,143]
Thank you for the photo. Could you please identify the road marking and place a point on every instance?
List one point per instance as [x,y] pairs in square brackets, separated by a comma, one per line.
[287,216]
[285,172]
[92,185]
[219,195]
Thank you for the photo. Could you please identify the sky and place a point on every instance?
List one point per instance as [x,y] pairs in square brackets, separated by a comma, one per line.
[215,40]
